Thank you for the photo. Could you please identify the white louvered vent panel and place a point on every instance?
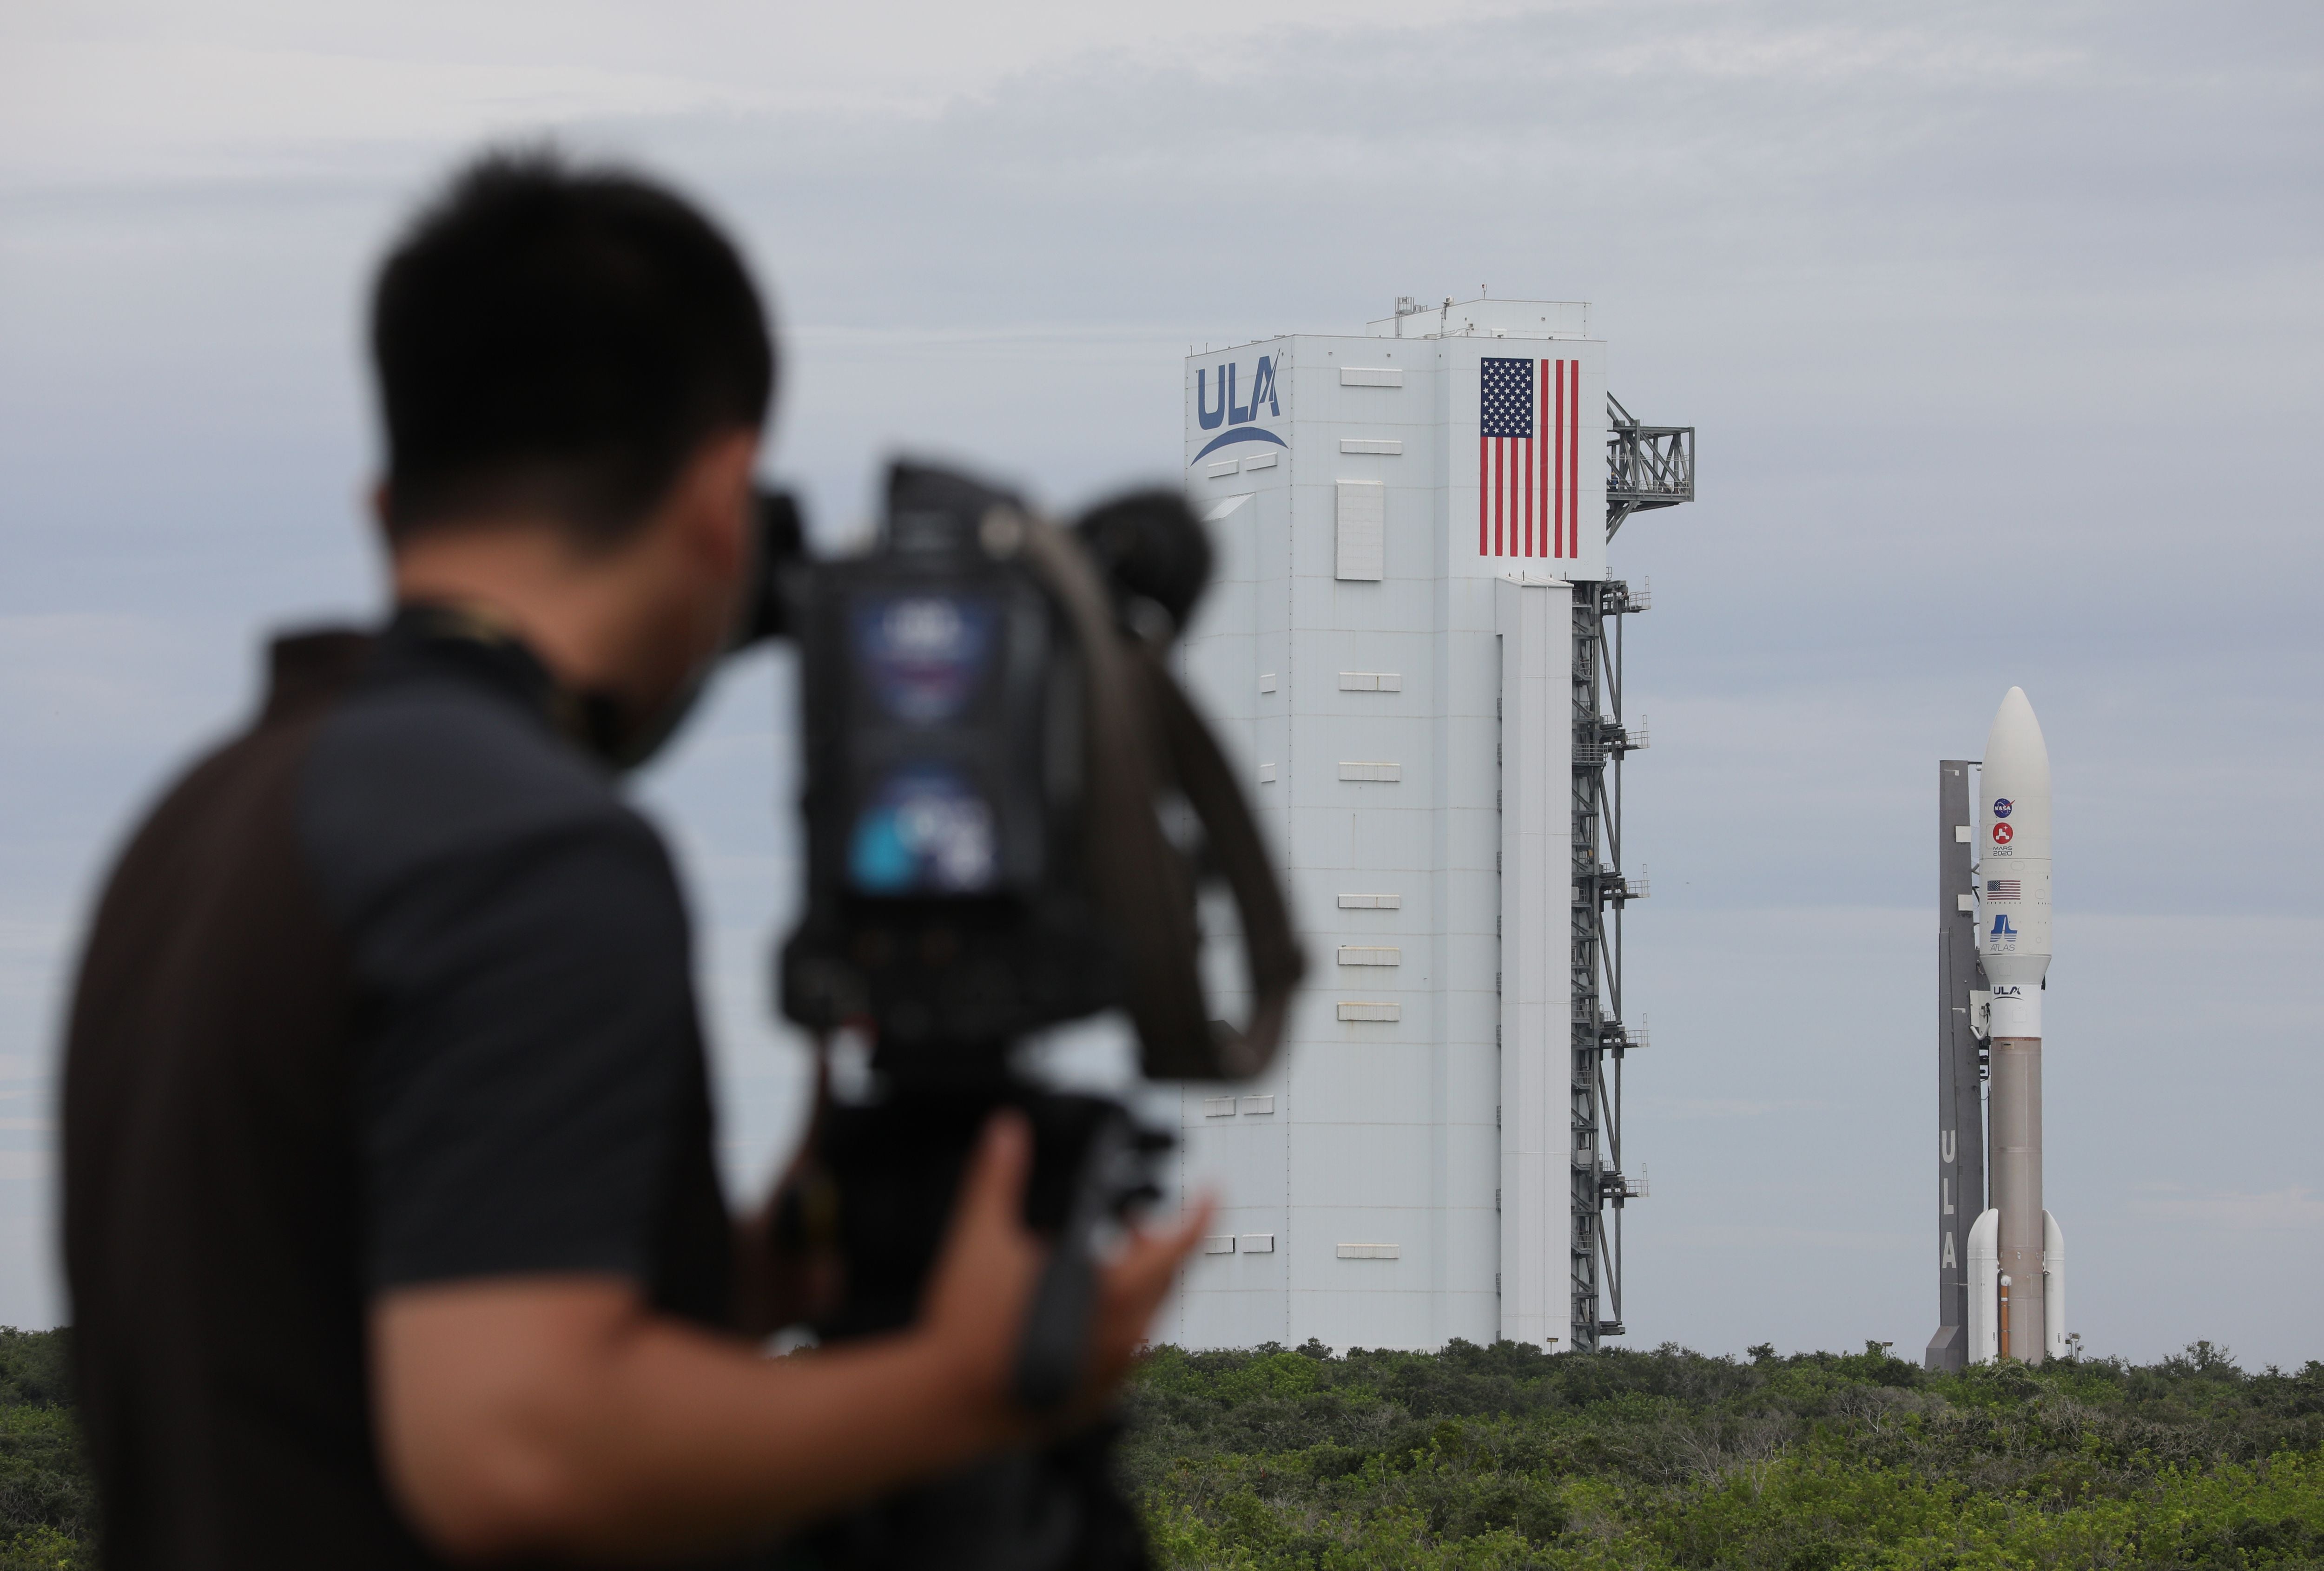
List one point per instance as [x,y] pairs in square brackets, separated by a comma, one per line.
[1371,376]
[1363,530]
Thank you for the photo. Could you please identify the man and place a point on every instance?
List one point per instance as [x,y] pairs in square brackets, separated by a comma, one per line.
[391,1217]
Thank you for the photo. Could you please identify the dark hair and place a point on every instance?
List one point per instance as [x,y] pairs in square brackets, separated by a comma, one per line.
[560,340]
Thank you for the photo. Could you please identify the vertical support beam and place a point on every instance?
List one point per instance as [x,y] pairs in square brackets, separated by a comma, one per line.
[1601,891]
[1585,1007]
[1960,1113]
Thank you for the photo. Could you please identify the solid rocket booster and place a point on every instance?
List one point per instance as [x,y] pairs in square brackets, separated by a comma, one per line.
[2014,946]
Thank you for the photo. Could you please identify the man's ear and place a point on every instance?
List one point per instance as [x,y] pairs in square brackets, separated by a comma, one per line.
[716,487]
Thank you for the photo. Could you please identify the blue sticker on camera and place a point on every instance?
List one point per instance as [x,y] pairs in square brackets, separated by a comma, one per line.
[926,831]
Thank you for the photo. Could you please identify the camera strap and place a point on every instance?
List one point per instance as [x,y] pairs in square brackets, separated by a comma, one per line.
[1235,849]
[1143,735]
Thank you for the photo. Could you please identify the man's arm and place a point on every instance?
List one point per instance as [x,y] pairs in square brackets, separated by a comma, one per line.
[559,1414]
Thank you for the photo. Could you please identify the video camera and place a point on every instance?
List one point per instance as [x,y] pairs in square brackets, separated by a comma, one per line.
[1010,809]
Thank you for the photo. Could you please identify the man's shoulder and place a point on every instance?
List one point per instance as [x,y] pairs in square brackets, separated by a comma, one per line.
[410,775]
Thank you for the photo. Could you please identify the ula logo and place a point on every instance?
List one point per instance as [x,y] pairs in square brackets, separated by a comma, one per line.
[1230,410]
[2001,928]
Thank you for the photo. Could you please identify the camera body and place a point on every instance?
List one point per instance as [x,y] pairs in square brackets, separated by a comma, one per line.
[991,741]
[948,904]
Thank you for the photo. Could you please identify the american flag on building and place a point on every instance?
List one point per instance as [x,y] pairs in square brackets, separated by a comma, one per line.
[1529,458]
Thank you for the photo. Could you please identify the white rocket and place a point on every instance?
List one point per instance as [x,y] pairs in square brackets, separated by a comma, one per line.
[2018,1256]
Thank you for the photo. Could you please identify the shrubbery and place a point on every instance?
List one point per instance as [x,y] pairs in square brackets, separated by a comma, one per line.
[48,1510]
[1497,1459]
[1492,1458]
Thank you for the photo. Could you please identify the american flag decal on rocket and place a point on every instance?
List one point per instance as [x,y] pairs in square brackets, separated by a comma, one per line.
[1529,458]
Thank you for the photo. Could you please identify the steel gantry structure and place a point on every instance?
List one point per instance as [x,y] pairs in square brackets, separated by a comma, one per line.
[1646,467]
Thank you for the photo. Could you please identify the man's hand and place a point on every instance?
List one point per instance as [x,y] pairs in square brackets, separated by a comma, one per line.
[561,1415]
[968,1309]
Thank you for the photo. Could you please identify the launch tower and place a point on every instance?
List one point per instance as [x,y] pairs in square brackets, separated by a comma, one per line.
[1412,648]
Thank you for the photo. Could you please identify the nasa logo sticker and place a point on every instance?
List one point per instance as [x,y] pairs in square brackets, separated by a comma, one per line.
[2003,834]
[2001,807]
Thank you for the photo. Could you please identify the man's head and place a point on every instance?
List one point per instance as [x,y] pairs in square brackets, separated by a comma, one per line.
[573,370]
[558,340]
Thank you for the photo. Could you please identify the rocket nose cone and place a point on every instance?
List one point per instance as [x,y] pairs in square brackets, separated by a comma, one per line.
[2014,810]
[2016,738]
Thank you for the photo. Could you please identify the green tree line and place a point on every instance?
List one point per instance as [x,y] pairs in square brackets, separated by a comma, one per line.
[1496,1458]
[48,1508]
[1500,1459]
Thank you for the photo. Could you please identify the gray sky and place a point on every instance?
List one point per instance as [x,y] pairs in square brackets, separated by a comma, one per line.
[2001,326]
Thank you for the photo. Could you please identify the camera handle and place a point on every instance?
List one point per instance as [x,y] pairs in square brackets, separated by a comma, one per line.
[1057,1334]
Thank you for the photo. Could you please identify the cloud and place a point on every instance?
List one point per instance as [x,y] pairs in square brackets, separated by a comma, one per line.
[1942,289]
[1692,1107]
[32,954]
[275,91]
[67,675]
[181,109]
[2296,1209]
[1777,1241]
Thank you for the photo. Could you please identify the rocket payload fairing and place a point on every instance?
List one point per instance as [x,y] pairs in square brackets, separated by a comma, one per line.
[2014,841]
[2021,1246]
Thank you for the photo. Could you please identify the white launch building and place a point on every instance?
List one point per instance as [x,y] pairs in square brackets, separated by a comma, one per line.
[1411,648]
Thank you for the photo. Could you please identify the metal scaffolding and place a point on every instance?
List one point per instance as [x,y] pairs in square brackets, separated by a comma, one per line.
[1648,467]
